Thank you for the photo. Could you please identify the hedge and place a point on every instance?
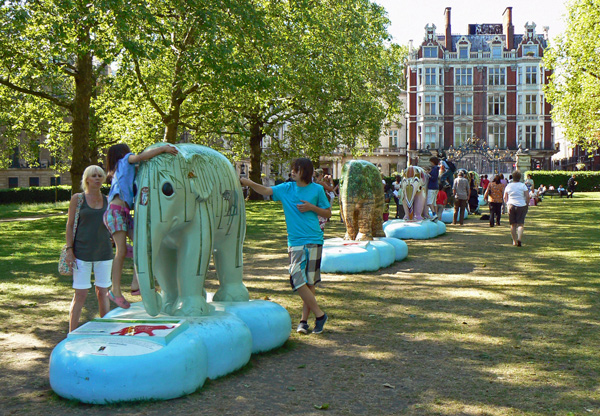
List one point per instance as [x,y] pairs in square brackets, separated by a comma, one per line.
[586,180]
[39,194]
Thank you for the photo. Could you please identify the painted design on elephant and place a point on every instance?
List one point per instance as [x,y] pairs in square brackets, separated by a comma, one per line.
[185,221]
[140,329]
[361,200]
[414,192]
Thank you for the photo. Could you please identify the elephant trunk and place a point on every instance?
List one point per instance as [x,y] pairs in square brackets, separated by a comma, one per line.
[143,255]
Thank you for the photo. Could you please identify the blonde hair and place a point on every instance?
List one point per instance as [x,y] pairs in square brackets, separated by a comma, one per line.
[89,171]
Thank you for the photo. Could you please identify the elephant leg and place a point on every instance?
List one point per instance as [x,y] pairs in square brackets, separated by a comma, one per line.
[351,221]
[229,272]
[191,273]
[408,214]
[163,270]
[365,220]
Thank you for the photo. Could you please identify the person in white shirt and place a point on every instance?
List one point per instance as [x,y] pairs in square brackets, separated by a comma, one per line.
[516,196]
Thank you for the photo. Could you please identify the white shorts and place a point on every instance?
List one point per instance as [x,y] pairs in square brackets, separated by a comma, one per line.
[431,196]
[82,274]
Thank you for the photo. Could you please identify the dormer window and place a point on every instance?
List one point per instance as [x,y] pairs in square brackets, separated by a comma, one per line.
[430,52]
[530,50]
[463,47]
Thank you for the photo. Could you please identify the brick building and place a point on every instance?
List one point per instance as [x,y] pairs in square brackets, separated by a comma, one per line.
[485,85]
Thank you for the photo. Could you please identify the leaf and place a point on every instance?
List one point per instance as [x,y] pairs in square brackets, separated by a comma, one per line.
[388,385]
[291,388]
[302,366]
[324,406]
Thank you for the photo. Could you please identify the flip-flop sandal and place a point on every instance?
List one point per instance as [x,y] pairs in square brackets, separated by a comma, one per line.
[120,301]
[135,292]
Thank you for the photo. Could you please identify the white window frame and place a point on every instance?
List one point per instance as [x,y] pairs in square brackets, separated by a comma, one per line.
[430,76]
[463,76]
[393,138]
[496,75]
[462,132]
[430,136]
[430,52]
[463,105]
[497,135]
[531,104]
[531,77]
[430,105]
[496,102]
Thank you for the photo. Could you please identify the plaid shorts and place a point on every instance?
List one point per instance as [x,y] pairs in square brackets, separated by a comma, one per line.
[117,218]
[305,265]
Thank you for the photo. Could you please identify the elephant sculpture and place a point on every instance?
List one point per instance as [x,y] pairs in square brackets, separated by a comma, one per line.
[188,207]
[361,200]
[414,192]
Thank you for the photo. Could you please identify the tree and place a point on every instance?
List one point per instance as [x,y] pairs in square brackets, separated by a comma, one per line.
[574,88]
[53,55]
[240,70]
[325,71]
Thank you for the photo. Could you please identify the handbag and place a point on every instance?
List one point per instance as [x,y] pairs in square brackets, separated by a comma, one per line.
[64,267]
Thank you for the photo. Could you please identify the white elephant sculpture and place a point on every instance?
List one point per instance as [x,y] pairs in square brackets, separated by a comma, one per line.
[414,192]
[188,207]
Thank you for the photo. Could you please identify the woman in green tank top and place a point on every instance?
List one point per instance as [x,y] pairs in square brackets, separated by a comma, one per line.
[90,249]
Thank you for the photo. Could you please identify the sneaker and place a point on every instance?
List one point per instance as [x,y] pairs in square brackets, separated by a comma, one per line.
[302,328]
[319,324]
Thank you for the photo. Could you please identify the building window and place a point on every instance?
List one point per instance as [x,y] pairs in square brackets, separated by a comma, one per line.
[430,105]
[463,52]
[463,105]
[55,181]
[531,104]
[34,181]
[393,138]
[430,76]
[497,135]
[430,52]
[531,139]
[431,137]
[530,50]
[496,76]
[531,75]
[496,105]
[496,52]
[463,76]
[13,182]
[462,132]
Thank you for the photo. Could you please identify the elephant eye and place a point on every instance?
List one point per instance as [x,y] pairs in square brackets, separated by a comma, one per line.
[134,189]
[167,189]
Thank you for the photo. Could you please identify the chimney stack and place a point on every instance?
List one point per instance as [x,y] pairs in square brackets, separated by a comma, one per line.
[508,28]
[448,30]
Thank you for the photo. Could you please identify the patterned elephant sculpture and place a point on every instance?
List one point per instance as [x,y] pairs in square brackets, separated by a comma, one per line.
[414,192]
[361,200]
[189,207]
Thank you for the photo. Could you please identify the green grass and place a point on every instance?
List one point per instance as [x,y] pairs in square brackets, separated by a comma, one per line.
[466,325]
[32,210]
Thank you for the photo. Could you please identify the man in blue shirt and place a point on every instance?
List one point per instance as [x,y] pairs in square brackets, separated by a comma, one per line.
[303,201]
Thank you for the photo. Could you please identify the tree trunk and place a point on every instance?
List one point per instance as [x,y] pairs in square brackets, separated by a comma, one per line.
[256,137]
[82,154]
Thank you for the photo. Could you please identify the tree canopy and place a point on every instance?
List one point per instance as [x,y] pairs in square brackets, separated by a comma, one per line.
[52,56]
[574,88]
[312,75]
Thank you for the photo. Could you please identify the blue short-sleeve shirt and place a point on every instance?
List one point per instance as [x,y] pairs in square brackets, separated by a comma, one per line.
[302,227]
[122,181]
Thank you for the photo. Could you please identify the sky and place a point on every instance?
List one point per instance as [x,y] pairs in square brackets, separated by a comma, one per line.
[408,18]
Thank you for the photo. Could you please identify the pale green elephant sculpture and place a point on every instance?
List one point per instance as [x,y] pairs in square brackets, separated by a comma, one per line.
[188,207]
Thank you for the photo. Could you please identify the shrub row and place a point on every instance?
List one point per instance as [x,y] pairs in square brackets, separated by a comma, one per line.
[586,180]
[39,194]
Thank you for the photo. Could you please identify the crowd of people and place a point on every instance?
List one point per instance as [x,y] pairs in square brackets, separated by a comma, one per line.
[96,222]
